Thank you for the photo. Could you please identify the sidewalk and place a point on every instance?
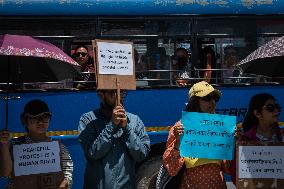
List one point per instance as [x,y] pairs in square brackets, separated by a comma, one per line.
[230,185]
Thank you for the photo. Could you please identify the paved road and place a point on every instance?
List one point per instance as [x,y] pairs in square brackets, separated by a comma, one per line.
[230,185]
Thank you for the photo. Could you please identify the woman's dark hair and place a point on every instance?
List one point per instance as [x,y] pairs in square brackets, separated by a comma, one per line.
[193,105]
[256,103]
[181,49]
[33,107]
[183,60]
[81,46]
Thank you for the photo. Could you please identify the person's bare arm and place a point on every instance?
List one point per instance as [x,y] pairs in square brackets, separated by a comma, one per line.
[64,184]
[5,156]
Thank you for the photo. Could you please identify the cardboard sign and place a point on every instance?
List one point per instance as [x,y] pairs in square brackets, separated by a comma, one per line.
[39,181]
[37,165]
[260,166]
[36,158]
[114,64]
[115,58]
[205,133]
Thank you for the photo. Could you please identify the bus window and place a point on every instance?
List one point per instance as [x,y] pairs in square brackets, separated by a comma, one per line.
[141,27]
[230,43]
[155,42]
[233,43]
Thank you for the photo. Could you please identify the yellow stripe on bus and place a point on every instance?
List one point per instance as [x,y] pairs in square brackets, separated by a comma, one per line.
[281,124]
[155,129]
[50,133]
[75,132]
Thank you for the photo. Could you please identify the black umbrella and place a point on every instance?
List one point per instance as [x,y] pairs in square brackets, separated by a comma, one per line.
[267,60]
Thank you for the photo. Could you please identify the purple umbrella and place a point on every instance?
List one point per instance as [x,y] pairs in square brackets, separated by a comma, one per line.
[266,60]
[25,59]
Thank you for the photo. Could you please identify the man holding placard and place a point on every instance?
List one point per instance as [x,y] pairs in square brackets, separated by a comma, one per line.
[191,141]
[112,139]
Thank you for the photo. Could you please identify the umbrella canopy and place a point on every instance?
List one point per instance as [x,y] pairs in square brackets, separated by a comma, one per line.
[266,60]
[25,59]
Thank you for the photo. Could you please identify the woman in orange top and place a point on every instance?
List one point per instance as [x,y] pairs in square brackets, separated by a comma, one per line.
[199,173]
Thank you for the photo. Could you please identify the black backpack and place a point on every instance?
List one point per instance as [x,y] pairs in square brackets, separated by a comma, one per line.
[165,181]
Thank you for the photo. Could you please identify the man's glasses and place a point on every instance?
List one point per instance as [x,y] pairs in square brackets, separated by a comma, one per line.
[272,107]
[208,98]
[41,118]
[83,54]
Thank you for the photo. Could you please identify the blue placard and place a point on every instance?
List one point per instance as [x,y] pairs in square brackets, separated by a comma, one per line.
[208,136]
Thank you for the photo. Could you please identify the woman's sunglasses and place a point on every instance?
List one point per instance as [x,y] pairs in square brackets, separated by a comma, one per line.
[83,54]
[208,98]
[272,107]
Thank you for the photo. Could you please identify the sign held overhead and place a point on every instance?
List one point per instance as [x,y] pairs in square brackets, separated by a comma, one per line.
[114,64]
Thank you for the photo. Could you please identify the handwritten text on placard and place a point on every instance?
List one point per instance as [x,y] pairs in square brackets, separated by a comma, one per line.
[261,162]
[36,158]
[205,133]
[115,58]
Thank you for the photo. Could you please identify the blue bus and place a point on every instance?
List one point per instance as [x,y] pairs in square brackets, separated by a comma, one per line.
[157,28]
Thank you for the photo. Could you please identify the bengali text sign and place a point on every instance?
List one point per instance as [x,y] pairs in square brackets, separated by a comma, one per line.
[208,136]
[115,58]
[261,162]
[36,158]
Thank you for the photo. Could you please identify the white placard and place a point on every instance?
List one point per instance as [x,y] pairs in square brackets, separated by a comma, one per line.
[36,158]
[115,58]
[261,162]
